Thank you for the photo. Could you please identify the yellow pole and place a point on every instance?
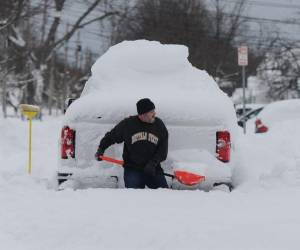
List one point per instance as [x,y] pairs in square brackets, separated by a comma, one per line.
[29,111]
[30,136]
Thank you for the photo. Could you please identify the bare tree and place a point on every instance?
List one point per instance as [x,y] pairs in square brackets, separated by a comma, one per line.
[12,14]
[53,42]
[208,31]
[168,21]
[226,21]
[41,55]
[280,71]
[31,52]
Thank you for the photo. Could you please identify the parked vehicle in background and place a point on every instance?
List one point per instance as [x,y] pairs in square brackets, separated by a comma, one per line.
[276,113]
[248,107]
[250,115]
[201,134]
[68,102]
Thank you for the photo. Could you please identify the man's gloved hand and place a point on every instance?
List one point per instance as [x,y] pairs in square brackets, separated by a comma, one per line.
[150,169]
[99,153]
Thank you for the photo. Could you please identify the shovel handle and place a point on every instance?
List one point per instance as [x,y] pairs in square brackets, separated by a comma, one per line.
[112,160]
[169,175]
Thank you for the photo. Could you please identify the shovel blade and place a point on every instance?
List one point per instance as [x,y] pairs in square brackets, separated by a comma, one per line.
[187,178]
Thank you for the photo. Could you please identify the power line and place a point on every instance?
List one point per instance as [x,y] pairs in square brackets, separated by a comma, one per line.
[268,4]
[269,20]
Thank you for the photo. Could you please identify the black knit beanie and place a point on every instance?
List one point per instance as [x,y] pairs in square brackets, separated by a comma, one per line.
[144,105]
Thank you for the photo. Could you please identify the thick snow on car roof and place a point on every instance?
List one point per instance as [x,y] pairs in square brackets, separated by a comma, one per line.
[281,111]
[132,70]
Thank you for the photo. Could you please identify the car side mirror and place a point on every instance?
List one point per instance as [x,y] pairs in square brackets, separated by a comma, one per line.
[240,123]
[68,102]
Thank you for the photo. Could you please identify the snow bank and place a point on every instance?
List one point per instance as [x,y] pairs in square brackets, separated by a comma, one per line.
[136,69]
[14,147]
[281,111]
[272,158]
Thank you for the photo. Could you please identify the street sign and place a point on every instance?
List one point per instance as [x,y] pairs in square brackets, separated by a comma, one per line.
[243,56]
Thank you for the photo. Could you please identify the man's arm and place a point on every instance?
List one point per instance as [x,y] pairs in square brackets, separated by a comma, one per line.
[116,135]
[159,156]
[162,151]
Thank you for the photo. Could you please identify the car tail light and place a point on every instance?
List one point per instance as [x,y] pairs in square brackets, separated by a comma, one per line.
[223,146]
[67,143]
[260,127]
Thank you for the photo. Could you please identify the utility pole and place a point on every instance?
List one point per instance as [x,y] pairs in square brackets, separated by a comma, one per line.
[45,15]
[51,83]
[78,49]
[3,75]
[4,110]
[65,93]
[81,59]
[29,30]
[87,59]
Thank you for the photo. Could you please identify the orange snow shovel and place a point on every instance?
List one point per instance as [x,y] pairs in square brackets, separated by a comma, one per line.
[186,178]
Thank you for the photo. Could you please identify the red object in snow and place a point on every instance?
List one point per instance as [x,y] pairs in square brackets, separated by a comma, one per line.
[260,127]
[67,143]
[223,146]
[188,178]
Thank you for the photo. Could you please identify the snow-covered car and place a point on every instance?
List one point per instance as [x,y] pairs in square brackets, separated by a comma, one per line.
[277,113]
[239,109]
[250,115]
[200,118]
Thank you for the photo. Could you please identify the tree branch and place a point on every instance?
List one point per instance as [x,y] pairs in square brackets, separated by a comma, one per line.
[17,11]
[236,19]
[98,18]
[78,24]
[59,4]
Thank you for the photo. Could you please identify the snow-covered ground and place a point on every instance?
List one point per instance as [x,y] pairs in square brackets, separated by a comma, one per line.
[261,213]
